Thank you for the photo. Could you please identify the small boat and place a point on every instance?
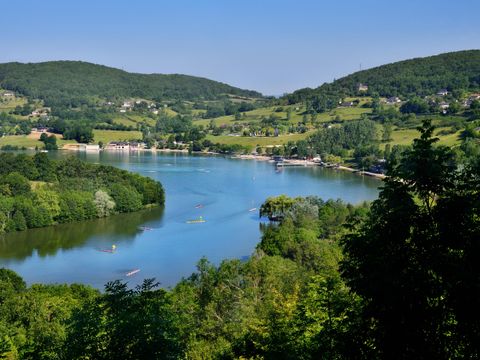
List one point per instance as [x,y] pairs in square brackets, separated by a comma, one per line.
[198,206]
[111,250]
[133,272]
[196,221]
[145,228]
[252,209]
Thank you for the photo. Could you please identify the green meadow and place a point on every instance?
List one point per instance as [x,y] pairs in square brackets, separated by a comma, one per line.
[107,136]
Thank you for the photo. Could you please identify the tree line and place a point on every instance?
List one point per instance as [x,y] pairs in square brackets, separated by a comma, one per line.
[36,191]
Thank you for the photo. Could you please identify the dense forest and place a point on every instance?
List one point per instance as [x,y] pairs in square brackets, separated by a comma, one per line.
[397,279]
[36,191]
[407,79]
[75,83]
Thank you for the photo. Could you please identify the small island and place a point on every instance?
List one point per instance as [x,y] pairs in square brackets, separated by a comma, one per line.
[36,191]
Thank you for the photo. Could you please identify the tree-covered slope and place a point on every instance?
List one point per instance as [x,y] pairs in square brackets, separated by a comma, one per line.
[414,77]
[76,82]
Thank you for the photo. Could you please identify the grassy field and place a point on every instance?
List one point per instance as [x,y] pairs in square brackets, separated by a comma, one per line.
[106,136]
[128,119]
[99,135]
[399,137]
[406,136]
[9,104]
[123,120]
[28,142]
[295,116]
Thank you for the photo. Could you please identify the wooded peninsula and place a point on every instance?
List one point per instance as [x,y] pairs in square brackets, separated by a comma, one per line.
[36,191]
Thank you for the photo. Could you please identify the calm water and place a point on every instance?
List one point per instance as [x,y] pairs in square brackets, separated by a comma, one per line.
[227,189]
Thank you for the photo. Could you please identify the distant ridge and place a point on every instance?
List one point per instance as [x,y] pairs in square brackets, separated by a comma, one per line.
[407,78]
[73,83]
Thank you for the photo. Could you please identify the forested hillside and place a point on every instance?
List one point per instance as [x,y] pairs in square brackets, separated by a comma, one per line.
[410,78]
[73,83]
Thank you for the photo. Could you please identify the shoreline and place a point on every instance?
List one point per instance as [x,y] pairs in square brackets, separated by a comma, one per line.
[286,162]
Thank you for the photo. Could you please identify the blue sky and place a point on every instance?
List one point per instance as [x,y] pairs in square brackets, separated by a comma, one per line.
[265,45]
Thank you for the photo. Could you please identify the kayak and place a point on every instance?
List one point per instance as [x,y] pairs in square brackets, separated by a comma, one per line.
[133,272]
[196,221]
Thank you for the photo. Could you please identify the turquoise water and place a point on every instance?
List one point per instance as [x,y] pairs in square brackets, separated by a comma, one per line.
[169,249]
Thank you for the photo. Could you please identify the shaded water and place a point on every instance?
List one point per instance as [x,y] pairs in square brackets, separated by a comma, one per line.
[170,248]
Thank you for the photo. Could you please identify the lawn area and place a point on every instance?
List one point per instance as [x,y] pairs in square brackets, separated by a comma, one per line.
[122,120]
[406,136]
[253,141]
[133,120]
[106,136]
[28,141]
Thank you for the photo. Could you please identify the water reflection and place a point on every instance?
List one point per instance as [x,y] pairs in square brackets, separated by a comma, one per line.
[48,241]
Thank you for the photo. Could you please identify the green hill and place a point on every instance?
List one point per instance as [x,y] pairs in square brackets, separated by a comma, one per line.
[73,83]
[415,77]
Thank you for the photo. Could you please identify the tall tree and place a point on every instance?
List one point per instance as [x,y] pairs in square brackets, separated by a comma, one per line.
[415,261]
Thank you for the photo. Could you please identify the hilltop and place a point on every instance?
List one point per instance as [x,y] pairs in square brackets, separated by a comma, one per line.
[75,83]
[405,79]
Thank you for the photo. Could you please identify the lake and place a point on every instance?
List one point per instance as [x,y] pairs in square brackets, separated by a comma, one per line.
[169,248]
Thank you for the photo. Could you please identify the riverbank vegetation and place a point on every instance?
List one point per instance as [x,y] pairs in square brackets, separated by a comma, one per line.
[397,279]
[36,191]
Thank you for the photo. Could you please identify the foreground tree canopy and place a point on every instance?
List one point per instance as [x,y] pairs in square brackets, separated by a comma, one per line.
[395,280]
[36,191]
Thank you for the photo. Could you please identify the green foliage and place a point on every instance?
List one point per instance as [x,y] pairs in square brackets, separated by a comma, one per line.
[409,260]
[125,323]
[16,183]
[103,203]
[50,141]
[82,133]
[406,79]
[276,207]
[335,140]
[68,190]
[395,280]
[416,106]
[75,83]
[126,198]
[10,125]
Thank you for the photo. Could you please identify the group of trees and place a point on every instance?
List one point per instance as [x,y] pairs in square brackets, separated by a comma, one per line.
[36,191]
[394,280]
[227,108]
[79,130]
[50,141]
[334,140]
[9,125]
